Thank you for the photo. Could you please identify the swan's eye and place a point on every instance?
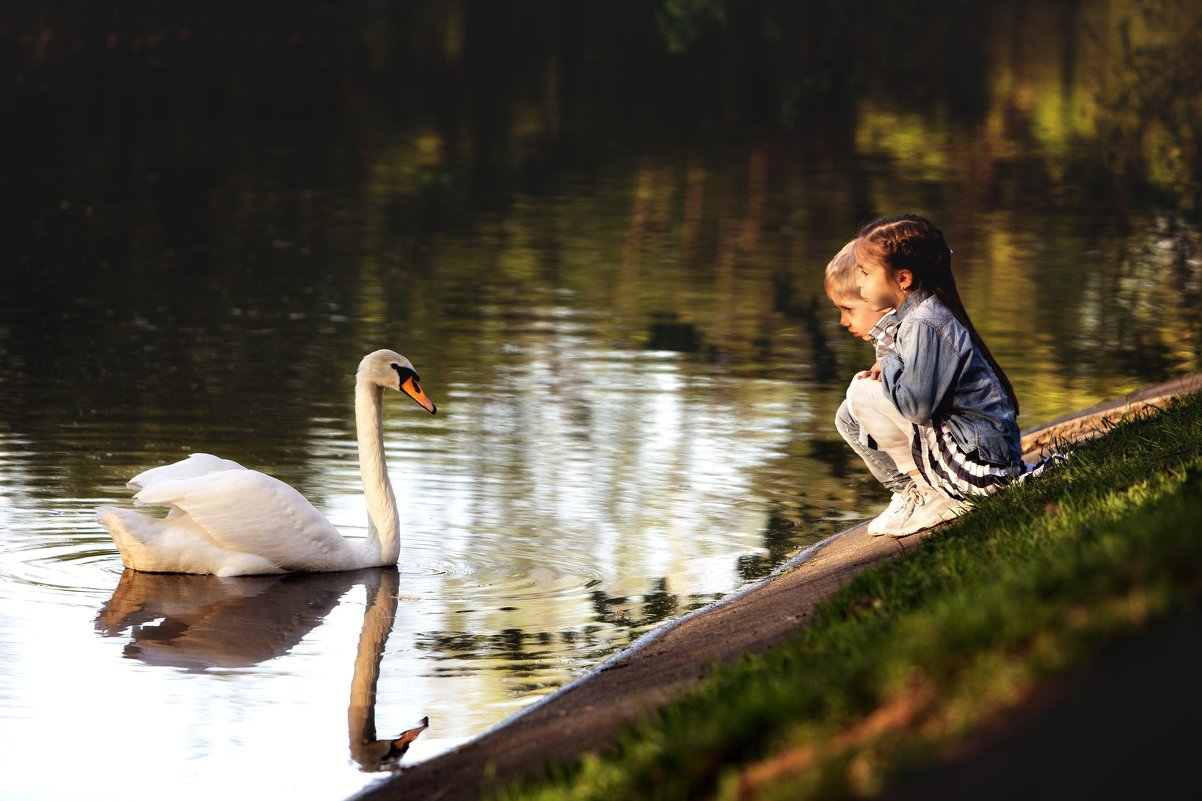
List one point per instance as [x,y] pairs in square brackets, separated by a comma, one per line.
[404,373]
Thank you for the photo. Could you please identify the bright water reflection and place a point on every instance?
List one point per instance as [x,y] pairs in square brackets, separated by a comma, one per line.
[550,517]
[611,286]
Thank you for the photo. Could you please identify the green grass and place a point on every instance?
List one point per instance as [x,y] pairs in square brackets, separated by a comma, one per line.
[915,652]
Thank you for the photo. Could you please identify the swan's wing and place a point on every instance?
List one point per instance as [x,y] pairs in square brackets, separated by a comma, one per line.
[246,511]
[195,465]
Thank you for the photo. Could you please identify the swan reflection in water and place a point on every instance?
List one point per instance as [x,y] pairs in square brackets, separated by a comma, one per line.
[200,622]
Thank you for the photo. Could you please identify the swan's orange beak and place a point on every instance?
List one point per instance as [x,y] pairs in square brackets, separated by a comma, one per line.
[414,390]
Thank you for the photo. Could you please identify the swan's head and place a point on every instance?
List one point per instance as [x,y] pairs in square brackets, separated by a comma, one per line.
[374,755]
[391,370]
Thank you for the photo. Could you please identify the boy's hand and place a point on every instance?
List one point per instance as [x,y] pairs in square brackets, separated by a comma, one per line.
[873,372]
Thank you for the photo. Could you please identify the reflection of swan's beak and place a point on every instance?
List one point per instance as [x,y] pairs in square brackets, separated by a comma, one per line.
[414,390]
[398,747]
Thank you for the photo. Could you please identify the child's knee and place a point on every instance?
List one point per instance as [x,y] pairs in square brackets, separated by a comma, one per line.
[846,423]
[862,394]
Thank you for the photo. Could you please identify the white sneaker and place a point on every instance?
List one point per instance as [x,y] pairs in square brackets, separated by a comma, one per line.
[892,515]
[924,508]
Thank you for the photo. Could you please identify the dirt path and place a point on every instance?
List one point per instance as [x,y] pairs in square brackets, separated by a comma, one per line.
[588,714]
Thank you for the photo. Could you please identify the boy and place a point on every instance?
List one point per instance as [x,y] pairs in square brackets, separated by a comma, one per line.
[859,319]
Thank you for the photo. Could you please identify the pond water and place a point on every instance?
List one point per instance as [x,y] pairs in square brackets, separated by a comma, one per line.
[608,271]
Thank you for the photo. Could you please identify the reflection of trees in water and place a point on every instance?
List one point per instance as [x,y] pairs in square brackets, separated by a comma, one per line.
[638,612]
[813,315]
[787,531]
[439,102]
[536,657]
[195,185]
[1145,317]
[1150,118]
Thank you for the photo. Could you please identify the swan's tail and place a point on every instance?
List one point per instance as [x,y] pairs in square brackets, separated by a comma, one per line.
[174,544]
[123,524]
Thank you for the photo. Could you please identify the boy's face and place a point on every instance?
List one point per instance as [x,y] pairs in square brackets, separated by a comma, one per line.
[856,315]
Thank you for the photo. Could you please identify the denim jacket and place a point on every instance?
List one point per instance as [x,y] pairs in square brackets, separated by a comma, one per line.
[935,375]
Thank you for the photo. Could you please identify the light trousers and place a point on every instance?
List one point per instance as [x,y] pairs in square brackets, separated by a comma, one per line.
[881,463]
[881,423]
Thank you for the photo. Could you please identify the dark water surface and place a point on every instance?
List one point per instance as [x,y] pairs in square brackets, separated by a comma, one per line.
[599,232]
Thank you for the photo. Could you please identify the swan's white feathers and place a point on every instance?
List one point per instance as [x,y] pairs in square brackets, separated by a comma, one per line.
[229,521]
[174,545]
[195,465]
[248,512]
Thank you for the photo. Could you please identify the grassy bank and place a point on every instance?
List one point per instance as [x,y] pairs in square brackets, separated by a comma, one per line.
[916,652]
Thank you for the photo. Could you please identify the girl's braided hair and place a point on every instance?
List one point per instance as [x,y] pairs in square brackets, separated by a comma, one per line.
[910,242]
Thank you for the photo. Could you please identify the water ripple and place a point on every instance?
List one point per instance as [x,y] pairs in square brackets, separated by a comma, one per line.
[60,557]
[520,573]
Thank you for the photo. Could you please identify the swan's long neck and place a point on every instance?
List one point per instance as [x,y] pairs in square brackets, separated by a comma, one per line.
[383,527]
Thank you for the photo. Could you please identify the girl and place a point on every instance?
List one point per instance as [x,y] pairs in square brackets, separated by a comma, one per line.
[942,408]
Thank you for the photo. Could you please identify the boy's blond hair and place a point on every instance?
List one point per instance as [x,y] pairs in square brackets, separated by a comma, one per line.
[841,274]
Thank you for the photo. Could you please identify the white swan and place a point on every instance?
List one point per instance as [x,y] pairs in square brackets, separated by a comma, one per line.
[229,521]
